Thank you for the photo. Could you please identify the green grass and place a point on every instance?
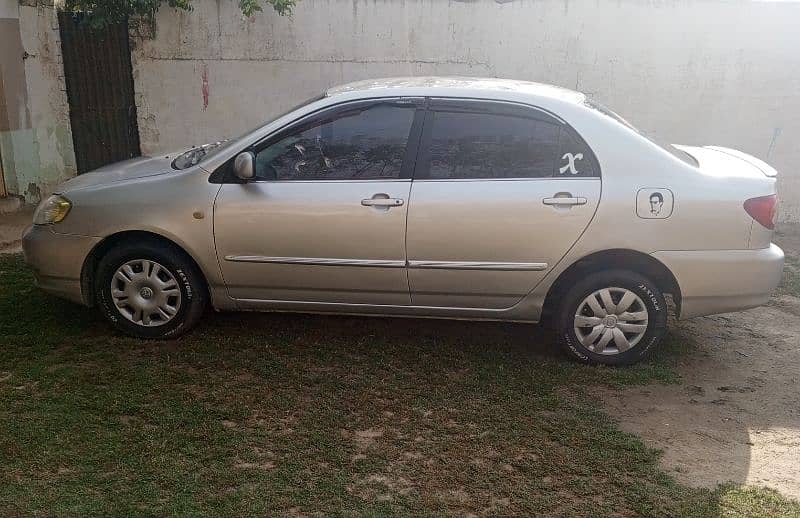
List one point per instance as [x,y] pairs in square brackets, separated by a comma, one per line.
[280,414]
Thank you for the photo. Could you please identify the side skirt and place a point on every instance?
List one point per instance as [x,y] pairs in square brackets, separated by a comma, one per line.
[330,308]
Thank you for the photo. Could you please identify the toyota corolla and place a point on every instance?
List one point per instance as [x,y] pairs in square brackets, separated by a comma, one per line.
[429,197]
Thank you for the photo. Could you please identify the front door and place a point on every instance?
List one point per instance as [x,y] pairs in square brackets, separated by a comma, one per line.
[325,220]
[500,194]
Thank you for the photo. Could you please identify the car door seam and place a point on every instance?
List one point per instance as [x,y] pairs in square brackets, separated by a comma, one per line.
[420,143]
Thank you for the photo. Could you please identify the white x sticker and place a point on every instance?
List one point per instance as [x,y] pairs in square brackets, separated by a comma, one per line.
[571,165]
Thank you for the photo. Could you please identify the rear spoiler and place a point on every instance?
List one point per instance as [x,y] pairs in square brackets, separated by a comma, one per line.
[765,168]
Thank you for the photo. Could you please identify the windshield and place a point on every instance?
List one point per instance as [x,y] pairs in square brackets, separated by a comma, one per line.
[686,157]
[198,154]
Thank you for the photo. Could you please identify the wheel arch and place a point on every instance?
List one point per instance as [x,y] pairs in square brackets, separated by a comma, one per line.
[619,258]
[92,260]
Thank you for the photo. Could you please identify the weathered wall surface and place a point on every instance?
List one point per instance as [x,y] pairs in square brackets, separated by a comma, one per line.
[35,137]
[692,71]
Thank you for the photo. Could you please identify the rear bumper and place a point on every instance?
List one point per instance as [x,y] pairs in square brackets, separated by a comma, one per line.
[57,260]
[719,281]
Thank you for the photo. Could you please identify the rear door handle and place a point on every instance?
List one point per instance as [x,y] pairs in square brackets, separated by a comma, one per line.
[382,202]
[565,201]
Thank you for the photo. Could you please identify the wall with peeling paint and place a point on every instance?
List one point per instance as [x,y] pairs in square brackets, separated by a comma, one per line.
[35,136]
[691,71]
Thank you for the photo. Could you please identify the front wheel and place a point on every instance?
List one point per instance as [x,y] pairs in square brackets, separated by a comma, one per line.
[149,290]
[614,317]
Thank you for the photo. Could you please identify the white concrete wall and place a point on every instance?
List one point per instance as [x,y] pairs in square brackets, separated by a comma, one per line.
[691,71]
[36,144]
[9,9]
[53,157]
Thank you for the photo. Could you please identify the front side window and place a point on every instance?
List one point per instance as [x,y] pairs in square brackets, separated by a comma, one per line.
[354,144]
[481,145]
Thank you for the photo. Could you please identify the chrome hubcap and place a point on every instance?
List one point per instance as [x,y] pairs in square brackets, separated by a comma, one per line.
[145,293]
[611,321]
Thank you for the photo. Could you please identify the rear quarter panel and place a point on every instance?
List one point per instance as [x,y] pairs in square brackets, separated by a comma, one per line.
[707,212]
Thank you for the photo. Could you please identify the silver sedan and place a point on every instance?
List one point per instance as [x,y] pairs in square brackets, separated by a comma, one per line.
[430,197]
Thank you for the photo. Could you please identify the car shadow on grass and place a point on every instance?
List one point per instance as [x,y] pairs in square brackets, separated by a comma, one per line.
[281,413]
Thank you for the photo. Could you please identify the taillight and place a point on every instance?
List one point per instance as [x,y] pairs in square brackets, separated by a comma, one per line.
[763,209]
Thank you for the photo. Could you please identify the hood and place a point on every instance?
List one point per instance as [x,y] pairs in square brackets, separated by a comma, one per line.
[722,161]
[139,167]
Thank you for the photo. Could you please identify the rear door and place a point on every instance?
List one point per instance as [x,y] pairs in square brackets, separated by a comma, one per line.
[500,194]
[325,219]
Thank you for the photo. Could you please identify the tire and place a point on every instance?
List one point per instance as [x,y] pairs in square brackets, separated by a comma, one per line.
[160,279]
[584,342]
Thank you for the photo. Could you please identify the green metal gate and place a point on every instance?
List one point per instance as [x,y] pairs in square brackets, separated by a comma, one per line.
[99,79]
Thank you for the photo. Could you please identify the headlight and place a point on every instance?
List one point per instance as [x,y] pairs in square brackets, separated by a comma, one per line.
[52,210]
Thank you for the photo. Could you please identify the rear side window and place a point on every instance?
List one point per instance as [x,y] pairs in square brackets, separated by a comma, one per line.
[358,144]
[469,145]
[575,159]
[482,145]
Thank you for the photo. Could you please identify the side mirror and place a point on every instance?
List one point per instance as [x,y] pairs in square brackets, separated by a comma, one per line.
[244,166]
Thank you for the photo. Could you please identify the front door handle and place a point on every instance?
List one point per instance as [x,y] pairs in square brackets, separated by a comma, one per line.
[382,202]
[566,200]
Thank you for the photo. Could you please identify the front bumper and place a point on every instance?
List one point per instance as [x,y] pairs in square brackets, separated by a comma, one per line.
[719,281]
[57,260]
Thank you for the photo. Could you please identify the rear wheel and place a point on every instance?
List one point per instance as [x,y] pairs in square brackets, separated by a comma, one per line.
[149,290]
[614,317]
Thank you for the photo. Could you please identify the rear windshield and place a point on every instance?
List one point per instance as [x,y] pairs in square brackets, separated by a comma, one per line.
[686,157]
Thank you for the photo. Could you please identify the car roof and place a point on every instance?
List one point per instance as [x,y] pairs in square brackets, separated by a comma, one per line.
[445,86]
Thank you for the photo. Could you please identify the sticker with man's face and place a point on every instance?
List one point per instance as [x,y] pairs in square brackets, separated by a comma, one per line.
[654,203]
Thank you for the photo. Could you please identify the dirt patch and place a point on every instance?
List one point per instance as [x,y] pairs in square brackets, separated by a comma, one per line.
[787,236]
[736,416]
[12,226]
